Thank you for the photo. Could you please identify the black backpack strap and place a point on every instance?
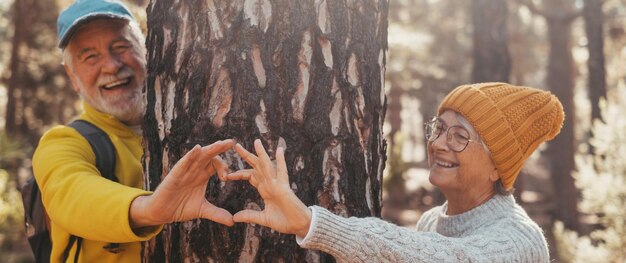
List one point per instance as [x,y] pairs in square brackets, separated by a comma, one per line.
[103,149]
[79,242]
[70,243]
[35,196]
[101,145]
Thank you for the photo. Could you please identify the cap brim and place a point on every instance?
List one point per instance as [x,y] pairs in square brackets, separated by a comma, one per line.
[78,23]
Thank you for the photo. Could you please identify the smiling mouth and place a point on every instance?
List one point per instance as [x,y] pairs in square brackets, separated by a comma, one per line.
[445,164]
[116,84]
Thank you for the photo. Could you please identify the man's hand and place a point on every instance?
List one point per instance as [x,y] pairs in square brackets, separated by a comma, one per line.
[181,195]
[283,211]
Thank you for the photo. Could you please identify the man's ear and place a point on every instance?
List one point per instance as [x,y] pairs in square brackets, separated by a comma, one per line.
[70,74]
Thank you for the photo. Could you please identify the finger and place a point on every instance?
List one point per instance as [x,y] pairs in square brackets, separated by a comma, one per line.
[220,167]
[249,216]
[215,163]
[265,163]
[199,168]
[188,159]
[217,214]
[219,147]
[281,166]
[240,175]
[260,150]
[205,159]
[250,158]
[246,175]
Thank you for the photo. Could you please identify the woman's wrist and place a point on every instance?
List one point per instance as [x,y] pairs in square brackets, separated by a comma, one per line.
[304,230]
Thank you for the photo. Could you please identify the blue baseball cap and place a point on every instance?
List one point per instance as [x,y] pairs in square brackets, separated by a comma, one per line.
[83,11]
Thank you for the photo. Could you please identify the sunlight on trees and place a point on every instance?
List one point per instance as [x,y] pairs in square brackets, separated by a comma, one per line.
[10,203]
[601,178]
[11,210]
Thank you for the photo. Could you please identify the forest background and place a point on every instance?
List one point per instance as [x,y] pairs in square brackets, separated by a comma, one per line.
[575,188]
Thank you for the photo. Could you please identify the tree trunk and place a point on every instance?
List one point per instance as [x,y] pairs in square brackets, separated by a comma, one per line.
[36,73]
[560,80]
[19,9]
[492,61]
[594,20]
[306,75]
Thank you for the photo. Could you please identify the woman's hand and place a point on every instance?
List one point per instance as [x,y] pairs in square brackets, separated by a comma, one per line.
[283,211]
[181,194]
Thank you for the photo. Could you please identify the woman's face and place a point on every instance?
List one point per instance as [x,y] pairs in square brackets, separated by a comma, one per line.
[470,172]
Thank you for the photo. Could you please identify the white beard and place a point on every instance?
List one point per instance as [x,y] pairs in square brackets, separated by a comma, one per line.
[128,107]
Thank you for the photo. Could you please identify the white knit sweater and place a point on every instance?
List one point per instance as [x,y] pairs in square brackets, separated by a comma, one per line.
[497,231]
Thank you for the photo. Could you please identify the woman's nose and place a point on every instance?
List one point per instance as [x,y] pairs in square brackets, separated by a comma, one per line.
[441,142]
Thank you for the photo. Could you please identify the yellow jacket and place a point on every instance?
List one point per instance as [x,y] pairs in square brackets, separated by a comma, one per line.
[80,201]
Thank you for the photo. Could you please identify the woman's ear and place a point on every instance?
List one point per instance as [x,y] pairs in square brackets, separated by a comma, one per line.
[494,176]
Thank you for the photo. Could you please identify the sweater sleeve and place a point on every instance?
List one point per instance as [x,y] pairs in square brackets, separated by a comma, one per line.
[372,239]
[76,197]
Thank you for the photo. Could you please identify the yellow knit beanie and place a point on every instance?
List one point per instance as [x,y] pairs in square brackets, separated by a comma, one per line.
[512,121]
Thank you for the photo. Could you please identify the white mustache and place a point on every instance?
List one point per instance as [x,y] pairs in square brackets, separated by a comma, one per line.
[124,73]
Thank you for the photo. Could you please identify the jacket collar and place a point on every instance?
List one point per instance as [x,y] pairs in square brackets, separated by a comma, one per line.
[106,122]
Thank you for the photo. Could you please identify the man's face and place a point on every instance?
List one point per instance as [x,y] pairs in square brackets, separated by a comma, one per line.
[107,68]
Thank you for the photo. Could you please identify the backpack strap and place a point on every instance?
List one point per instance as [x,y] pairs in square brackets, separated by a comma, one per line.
[66,251]
[101,145]
[103,149]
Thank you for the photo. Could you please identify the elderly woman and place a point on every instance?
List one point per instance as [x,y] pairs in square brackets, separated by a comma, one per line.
[477,146]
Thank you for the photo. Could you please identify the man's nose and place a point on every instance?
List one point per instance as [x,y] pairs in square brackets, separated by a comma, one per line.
[112,64]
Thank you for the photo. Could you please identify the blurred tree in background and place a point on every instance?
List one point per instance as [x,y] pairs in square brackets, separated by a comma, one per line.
[594,31]
[38,93]
[559,16]
[492,61]
[35,94]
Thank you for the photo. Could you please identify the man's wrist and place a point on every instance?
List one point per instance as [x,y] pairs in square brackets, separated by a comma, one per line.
[138,217]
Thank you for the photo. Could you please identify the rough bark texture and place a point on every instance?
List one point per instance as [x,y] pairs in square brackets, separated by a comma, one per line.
[492,61]
[306,75]
[594,20]
[561,82]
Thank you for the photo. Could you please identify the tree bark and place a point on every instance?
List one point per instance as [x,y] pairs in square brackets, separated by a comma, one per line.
[594,28]
[305,75]
[492,61]
[560,80]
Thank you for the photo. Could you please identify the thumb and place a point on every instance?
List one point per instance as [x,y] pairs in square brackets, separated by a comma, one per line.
[217,214]
[248,216]
[220,167]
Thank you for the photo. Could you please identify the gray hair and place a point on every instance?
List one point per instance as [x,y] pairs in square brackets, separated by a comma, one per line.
[465,123]
[497,185]
[500,190]
[136,35]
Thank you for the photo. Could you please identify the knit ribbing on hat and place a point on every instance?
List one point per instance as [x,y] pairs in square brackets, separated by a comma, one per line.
[512,121]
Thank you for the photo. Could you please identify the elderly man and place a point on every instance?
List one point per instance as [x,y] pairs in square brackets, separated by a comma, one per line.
[103,55]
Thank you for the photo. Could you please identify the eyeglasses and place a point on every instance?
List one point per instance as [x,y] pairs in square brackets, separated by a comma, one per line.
[457,136]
